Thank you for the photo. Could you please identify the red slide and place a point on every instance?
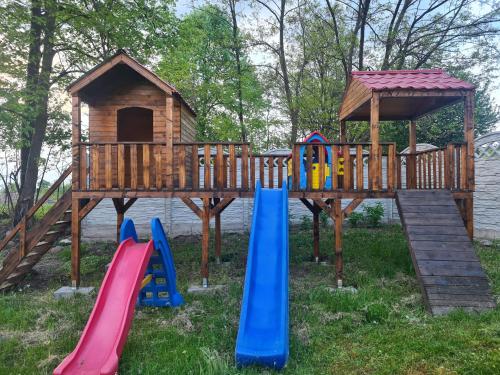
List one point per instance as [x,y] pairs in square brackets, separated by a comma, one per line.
[104,336]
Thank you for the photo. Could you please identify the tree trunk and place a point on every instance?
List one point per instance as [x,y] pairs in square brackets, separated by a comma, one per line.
[28,189]
[237,54]
[32,76]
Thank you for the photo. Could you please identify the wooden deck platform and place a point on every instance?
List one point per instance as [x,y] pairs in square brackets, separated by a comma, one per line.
[446,264]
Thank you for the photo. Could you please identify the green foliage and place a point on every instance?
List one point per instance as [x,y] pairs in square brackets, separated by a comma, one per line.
[371,216]
[355,218]
[201,64]
[305,223]
[381,329]
[374,214]
[323,218]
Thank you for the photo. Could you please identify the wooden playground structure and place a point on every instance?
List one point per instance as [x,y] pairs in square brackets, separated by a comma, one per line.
[141,144]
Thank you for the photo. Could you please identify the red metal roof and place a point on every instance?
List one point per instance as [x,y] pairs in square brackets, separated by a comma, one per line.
[429,79]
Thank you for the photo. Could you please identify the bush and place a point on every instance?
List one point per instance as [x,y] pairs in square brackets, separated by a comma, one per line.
[374,214]
[370,217]
[355,218]
[306,223]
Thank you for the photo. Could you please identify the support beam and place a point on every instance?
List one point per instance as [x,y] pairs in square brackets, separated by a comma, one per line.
[120,215]
[469,138]
[205,241]
[76,132]
[218,234]
[412,159]
[316,212]
[339,262]
[375,165]
[351,207]
[75,243]
[121,208]
[189,202]
[469,216]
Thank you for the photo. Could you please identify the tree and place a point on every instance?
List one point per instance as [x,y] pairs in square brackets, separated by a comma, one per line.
[44,44]
[208,65]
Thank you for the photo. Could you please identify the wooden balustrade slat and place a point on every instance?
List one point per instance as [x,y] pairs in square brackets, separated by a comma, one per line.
[232,166]
[321,160]
[133,167]
[83,168]
[309,171]
[158,167]
[108,170]
[121,166]
[270,163]
[419,167]
[195,167]
[451,166]
[446,172]
[347,167]
[429,170]
[207,178]
[434,171]
[463,164]
[296,167]
[424,170]
[399,182]
[458,167]
[261,171]
[244,167]
[440,169]
[252,173]
[280,171]
[391,152]
[334,167]
[95,168]
[146,166]
[182,167]
[359,167]
[220,167]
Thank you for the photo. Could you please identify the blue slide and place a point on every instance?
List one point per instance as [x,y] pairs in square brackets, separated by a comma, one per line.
[263,331]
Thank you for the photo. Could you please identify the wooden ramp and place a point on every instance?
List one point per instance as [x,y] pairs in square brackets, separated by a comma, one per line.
[446,264]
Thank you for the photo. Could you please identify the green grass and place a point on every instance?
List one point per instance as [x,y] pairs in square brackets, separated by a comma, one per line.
[381,329]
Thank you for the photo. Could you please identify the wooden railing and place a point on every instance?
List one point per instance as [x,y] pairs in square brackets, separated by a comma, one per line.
[233,167]
[20,231]
[439,168]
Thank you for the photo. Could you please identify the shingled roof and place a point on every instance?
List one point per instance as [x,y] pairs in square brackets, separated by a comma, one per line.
[429,79]
[404,94]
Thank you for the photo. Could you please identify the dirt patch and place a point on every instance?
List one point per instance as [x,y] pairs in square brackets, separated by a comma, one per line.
[182,320]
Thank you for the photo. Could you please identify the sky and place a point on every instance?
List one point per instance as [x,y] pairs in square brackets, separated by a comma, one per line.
[185,6]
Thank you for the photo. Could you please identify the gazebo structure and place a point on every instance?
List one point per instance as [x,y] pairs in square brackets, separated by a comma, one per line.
[377,96]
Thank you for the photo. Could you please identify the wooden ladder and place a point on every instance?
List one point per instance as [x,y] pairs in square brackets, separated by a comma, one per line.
[447,267]
[30,239]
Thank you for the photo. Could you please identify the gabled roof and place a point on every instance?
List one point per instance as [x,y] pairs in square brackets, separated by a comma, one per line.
[428,79]
[121,57]
[404,94]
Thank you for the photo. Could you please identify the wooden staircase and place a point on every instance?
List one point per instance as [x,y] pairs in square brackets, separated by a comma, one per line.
[27,242]
[447,267]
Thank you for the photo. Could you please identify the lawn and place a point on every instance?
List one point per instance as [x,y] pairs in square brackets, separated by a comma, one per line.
[381,329]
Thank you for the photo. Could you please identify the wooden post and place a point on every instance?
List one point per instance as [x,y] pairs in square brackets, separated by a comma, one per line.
[411,165]
[316,211]
[469,138]
[339,263]
[75,243]
[218,235]
[169,140]
[343,135]
[205,241]
[120,215]
[469,215]
[76,132]
[374,137]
